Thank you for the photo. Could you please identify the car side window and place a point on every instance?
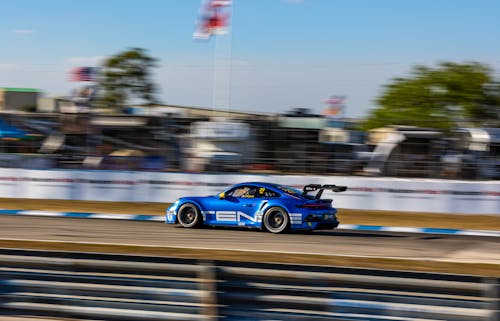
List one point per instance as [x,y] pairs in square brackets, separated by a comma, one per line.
[264,192]
[252,192]
[243,192]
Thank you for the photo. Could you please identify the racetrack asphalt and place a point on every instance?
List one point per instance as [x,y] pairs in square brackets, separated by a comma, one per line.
[415,251]
[160,218]
[346,216]
[444,248]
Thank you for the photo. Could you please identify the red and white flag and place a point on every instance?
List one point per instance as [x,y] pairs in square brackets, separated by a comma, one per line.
[213,19]
[335,107]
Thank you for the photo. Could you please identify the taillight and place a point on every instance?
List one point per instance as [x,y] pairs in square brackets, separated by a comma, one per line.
[314,206]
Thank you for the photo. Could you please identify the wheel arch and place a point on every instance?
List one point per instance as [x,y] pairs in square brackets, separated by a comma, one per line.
[273,203]
[189,201]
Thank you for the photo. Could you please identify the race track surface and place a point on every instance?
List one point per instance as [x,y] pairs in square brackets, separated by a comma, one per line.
[371,244]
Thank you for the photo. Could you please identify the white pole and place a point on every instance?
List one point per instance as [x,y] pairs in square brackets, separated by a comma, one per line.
[221,95]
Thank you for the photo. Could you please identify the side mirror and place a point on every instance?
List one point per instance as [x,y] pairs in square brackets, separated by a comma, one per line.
[222,195]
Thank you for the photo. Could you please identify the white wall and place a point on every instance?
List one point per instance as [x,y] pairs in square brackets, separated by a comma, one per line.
[394,194]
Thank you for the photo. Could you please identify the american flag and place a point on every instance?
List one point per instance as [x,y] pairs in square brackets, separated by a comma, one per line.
[83,74]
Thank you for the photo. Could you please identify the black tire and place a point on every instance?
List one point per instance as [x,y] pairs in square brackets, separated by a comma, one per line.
[189,215]
[276,220]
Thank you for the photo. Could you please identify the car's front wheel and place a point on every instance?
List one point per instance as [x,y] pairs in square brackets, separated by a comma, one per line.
[189,215]
[275,220]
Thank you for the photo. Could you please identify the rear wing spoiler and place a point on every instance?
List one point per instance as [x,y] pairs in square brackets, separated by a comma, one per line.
[320,188]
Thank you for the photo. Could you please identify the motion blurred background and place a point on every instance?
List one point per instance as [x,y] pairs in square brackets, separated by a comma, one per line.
[331,88]
[110,110]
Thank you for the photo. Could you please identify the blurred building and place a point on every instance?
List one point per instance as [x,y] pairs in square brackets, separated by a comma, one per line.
[193,112]
[181,138]
[18,98]
[405,151]
[220,145]
[473,153]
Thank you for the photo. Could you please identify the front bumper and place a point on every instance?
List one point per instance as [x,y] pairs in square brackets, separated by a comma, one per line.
[171,214]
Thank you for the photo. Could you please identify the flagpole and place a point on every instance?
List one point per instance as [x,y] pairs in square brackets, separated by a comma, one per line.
[212,24]
[221,92]
[229,59]
[222,73]
[215,77]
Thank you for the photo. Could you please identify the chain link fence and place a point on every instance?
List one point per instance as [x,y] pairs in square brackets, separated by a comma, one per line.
[288,145]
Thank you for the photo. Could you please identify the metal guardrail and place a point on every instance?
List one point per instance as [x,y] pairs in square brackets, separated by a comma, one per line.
[120,287]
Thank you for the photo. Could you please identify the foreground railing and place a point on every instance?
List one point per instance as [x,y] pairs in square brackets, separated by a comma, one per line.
[119,287]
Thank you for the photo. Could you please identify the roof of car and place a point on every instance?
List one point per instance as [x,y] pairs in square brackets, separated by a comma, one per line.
[263,184]
[272,186]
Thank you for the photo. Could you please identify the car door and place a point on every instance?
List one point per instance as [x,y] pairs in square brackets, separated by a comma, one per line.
[237,207]
[250,205]
[247,208]
[224,210]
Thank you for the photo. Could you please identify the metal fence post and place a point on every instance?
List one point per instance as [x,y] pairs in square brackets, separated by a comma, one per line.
[492,295]
[208,284]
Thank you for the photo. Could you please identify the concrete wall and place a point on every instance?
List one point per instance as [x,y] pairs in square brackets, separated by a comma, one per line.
[390,194]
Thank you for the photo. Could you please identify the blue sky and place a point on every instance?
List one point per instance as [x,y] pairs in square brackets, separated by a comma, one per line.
[281,54]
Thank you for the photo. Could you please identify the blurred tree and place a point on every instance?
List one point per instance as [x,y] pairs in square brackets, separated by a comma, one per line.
[126,77]
[440,98]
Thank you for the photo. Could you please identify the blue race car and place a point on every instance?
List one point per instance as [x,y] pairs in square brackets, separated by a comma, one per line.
[272,207]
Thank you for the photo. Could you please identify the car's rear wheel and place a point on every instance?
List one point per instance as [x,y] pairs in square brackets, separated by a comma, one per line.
[275,220]
[189,215]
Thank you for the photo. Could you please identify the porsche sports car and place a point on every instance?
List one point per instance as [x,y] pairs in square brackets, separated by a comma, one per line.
[272,207]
